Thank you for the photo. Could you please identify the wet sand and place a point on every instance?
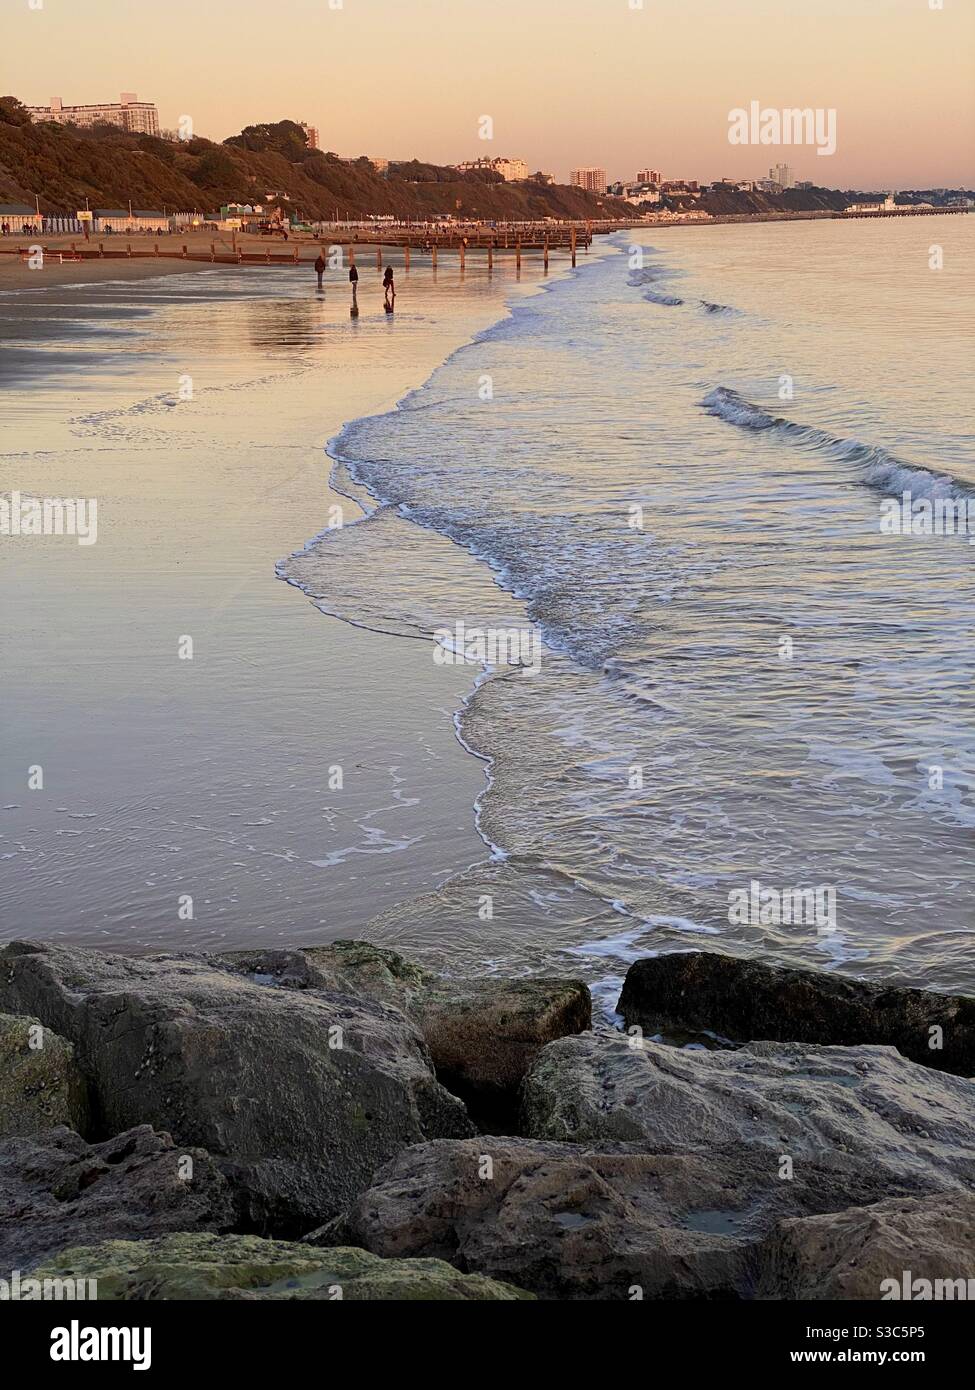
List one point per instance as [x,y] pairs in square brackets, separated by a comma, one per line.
[297,774]
[16,275]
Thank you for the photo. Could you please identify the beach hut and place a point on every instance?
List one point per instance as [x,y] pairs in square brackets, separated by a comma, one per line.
[138,220]
[17,217]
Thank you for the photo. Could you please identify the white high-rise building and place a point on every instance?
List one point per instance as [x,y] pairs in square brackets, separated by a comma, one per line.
[592,180]
[128,113]
[782,175]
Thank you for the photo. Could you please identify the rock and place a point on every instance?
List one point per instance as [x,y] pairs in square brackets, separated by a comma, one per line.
[565,1221]
[299,1094]
[55,1189]
[484,1035]
[194,1267]
[351,967]
[746,1000]
[874,1252]
[875,1123]
[40,1083]
[672,1171]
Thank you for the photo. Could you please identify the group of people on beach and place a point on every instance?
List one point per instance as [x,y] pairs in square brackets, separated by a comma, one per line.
[389,285]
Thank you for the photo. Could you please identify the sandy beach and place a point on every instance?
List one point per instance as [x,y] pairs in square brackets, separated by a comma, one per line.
[294,758]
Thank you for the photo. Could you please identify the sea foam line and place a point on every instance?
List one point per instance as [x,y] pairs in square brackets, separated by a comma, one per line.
[878,468]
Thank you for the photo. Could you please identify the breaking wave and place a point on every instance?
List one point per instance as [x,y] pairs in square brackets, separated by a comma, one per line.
[878,468]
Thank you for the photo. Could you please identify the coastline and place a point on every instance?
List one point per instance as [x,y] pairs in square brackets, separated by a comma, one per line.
[409,808]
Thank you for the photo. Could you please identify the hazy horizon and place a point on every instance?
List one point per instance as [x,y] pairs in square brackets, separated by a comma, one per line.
[566,82]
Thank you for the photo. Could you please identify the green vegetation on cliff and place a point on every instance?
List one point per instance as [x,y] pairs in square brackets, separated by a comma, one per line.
[64,165]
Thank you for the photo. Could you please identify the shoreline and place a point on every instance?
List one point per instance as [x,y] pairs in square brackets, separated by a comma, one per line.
[373,393]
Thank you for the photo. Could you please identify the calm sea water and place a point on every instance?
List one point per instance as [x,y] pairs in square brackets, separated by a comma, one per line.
[673,467]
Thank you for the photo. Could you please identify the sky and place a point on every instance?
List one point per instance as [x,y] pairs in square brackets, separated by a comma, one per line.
[620,84]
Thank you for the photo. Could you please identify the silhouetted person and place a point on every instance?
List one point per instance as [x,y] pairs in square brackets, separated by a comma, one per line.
[389,290]
[320,268]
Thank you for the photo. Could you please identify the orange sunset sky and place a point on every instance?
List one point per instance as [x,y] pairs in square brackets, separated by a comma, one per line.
[567,82]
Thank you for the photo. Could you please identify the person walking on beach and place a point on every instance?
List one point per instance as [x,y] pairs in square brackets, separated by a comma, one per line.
[320,268]
[389,290]
[354,282]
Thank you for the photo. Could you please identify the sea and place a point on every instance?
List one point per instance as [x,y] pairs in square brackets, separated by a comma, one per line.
[681,471]
[635,550]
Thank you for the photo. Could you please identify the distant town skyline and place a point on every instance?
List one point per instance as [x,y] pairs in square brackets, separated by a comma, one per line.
[564,84]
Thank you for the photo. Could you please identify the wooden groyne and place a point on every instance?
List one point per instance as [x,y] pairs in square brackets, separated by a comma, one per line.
[488,241]
[360,245]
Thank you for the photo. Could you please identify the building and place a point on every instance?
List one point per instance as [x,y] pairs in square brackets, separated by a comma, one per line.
[380,165]
[127,113]
[877,204]
[511,170]
[122,220]
[782,175]
[591,179]
[19,215]
[648,176]
[641,193]
[311,135]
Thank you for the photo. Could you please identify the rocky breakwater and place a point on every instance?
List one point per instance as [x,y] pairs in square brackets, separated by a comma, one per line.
[776,1169]
[165,1098]
[273,1124]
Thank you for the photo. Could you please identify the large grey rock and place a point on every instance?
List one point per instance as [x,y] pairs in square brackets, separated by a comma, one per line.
[349,967]
[483,1034]
[875,1252]
[567,1220]
[299,1094]
[747,1000]
[57,1190]
[194,1267]
[861,1114]
[41,1085]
